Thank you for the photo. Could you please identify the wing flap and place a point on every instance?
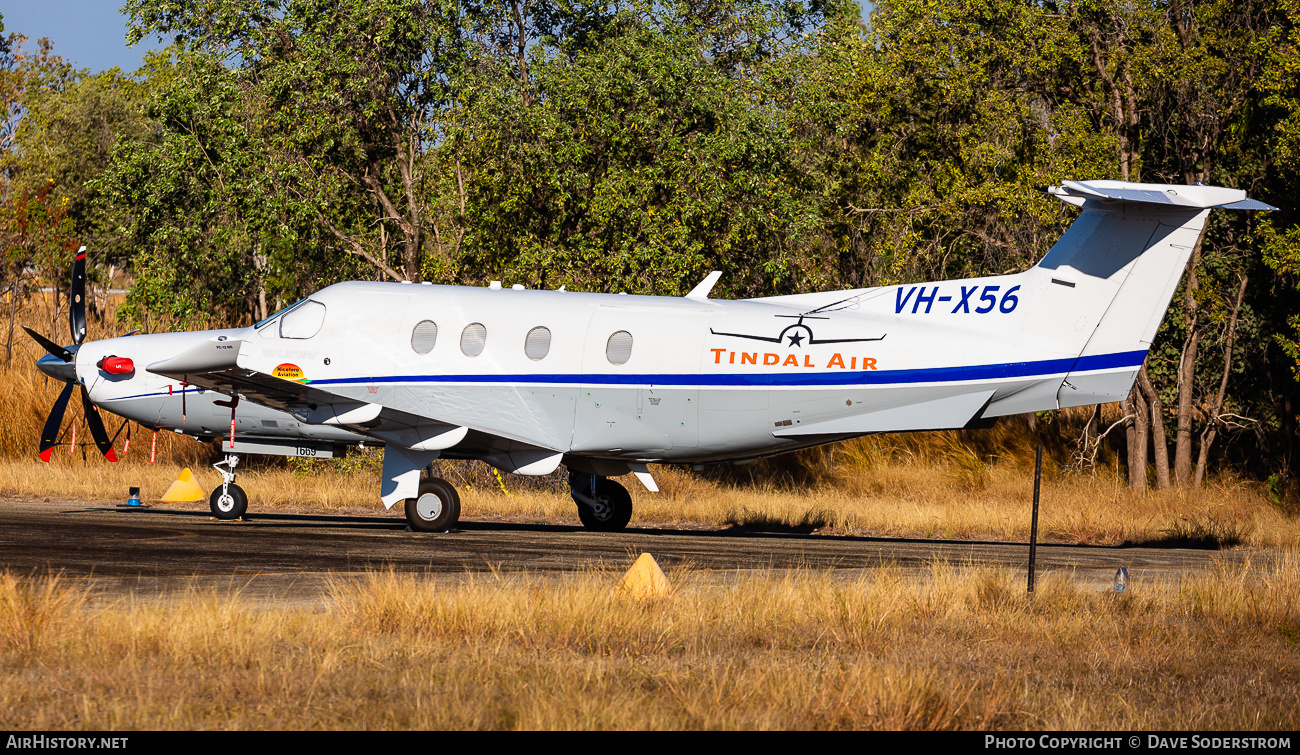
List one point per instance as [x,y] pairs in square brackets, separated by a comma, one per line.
[948,413]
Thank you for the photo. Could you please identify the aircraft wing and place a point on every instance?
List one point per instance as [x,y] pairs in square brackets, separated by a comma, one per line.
[215,364]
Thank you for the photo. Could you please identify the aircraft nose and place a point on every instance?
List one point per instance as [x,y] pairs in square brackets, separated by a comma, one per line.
[57,368]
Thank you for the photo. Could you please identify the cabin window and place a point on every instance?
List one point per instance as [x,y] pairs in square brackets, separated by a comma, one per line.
[538,343]
[424,336]
[303,321]
[473,339]
[618,349]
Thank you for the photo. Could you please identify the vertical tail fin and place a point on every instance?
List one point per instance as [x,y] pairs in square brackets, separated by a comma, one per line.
[1129,248]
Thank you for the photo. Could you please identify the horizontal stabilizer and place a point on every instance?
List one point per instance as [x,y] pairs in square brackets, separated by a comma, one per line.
[1191,197]
[1248,204]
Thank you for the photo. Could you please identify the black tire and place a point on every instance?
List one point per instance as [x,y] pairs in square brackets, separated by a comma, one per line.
[435,509]
[232,505]
[603,505]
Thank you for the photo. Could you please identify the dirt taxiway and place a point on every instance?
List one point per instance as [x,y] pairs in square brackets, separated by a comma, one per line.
[291,557]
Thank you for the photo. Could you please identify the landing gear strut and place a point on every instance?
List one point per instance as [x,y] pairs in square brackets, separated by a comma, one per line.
[228,500]
[603,505]
[435,509]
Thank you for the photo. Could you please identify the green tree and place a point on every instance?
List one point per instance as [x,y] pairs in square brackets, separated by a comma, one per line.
[957,115]
[70,124]
[639,151]
[961,111]
[345,100]
[219,238]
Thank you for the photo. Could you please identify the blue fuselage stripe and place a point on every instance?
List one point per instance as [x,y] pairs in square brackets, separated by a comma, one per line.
[1042,368]
[828,379]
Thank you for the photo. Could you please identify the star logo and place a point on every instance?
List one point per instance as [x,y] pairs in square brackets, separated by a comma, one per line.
[797,333]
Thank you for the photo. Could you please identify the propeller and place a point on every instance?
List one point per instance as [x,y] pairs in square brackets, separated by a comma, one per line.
[61,363]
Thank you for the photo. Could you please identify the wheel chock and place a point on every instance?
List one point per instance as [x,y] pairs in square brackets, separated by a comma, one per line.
[185,489]
[645,580]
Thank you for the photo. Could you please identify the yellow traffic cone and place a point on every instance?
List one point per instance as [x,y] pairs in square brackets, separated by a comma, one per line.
[184,489]
[645,579]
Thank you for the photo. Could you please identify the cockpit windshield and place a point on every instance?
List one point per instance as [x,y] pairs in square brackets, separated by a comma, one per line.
[295,305]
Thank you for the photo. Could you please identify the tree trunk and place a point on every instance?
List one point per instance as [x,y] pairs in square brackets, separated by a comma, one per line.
[1136,429]
[1130,433]
[13,314]
[1187,374]
[521,48]
[1159,442]
[1212,425]
[259,265]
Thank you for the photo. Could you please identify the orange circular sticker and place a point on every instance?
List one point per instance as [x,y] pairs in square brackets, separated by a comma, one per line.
[288,371]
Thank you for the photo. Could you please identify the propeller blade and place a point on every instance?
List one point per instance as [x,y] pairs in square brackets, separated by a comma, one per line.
[50,433]
[77,298]
[96,424]
[49,345]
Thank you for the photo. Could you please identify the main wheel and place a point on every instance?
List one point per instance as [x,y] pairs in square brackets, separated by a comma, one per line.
[603,505]
[435,509]
[228,505]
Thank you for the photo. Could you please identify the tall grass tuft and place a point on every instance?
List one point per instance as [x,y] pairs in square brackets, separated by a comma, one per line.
[35,612]
[1199,531]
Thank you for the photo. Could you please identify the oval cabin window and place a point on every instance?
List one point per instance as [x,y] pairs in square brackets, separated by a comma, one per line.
[538,343]
[618,349]
[473,339]
[424,336]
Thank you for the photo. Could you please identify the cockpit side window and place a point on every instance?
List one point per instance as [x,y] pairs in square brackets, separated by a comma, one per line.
[303,321]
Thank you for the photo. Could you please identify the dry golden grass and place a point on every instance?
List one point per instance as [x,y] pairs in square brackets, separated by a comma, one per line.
[951,648]
[898,500]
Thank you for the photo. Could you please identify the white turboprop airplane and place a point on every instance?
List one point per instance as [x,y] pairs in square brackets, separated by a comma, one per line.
[526,380]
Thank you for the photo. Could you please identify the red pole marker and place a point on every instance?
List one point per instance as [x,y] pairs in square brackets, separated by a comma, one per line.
[153,446]
[127,446]
[183,384]
[232,403]
[72,447]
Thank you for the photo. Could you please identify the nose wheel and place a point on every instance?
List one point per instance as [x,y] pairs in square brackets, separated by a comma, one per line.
[603,505]
[435,509]
[228,500]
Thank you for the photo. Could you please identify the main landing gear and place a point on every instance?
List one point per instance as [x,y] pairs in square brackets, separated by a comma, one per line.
[228,500]
[603,505]
[435,509]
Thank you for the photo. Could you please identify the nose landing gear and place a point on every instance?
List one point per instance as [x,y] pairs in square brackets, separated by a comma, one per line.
[228,500]
[603,505]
